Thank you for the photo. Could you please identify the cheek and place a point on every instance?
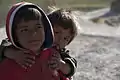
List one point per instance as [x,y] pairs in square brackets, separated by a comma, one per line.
[57,38]
[22,39]
[65,41]
[41,35]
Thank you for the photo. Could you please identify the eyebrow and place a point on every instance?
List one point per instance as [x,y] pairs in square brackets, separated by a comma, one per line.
[38,24]
[21,27]
[67,36]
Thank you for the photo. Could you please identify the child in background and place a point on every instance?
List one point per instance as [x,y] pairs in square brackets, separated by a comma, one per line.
[65,31]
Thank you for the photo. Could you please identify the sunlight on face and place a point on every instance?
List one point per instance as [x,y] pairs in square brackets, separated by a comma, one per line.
[62,36]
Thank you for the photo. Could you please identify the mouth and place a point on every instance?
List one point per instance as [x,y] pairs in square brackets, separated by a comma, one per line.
[34,41]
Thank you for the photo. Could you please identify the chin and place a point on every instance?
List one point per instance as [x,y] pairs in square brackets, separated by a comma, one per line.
[34,49]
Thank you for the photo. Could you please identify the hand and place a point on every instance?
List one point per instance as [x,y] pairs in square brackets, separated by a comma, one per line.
[56,63]
[23,58]
[55,60]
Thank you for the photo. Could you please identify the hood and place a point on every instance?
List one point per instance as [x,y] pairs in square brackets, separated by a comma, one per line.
[49,37]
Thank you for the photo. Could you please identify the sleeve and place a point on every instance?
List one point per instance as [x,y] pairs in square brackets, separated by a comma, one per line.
[69,60]
[4,44]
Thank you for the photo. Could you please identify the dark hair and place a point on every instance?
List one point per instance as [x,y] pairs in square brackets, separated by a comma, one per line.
[25,13]
[64,19]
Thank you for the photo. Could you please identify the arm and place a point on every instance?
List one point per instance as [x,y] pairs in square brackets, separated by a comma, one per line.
[70,62]
[4,44]
[9,51]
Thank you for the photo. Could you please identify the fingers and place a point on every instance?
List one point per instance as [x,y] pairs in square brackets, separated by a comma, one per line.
[53,64]
[25,66]
[29,56]
[27,63]
[54,60]
[26,60]
[22,65]
[56,54]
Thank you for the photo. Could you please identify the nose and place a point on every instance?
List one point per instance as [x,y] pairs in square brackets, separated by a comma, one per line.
[33,32]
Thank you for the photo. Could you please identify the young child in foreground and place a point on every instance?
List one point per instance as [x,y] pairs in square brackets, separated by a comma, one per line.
[65,31]
[29,30]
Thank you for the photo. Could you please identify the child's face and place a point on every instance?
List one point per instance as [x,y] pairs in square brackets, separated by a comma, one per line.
[62,36]
[30,34]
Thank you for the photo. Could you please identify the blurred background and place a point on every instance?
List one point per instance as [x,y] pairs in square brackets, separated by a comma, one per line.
[73,4]
[97,47]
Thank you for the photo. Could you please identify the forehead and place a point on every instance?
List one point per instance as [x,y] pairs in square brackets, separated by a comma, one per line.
[30,23]
[60,28]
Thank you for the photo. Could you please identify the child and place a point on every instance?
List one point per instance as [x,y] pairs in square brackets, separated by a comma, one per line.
[65,31]
[29,30]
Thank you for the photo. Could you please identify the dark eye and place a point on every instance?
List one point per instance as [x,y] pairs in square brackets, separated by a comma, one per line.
[57,32]
[39,26]
[23,30]
[66,38]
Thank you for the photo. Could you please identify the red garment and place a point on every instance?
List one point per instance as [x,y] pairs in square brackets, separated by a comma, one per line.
[10,70]
[62,77]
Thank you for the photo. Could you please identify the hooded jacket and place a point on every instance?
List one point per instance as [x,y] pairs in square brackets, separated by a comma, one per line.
[10,70]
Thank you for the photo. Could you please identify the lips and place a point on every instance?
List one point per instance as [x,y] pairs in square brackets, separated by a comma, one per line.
[34,41]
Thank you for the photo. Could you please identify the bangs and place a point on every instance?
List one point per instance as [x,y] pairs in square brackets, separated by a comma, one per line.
[27,14]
